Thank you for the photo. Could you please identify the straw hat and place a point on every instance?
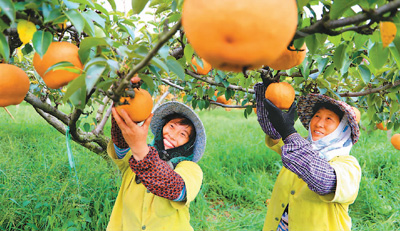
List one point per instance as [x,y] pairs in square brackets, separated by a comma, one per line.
[306,104]
[168,108]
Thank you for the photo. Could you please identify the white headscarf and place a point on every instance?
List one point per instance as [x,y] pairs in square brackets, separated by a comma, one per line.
[337,143]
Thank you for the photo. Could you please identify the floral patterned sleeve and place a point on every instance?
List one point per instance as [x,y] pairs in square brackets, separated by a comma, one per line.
[158,177]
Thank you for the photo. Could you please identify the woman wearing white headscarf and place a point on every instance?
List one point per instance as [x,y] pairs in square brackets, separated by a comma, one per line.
[319,179]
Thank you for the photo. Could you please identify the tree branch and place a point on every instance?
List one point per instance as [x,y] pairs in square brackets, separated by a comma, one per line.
[229,106]
[326,26]
[102,107]
[371,91]
[210,81]
[160,100]
[144,62]
[53,121]
[100,126]
[61,128]
[72,125]
[37,103]
[177,52]
[172,84]
[102,118]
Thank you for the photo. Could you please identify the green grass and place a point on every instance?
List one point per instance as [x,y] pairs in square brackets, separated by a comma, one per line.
[38,191]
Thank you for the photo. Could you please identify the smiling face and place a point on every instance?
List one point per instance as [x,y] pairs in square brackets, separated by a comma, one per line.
[176,134]
[323,123]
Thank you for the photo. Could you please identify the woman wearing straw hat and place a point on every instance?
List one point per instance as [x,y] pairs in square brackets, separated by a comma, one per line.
[319,179]
[161,179]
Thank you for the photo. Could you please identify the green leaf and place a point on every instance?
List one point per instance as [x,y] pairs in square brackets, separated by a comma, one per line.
[210,93]
[229,93]
[394,108]
[85,2]
[160,64]
[249,109]
[305,67]
[328,71]
[371,112]
[96,61]
[128,30]
[78,99]
[27,49]
[378,55]
[359,41]
[96,17]
[155,71]
[54,16]
[148,80]
[7,7]
[345,66]
[162,8]
[71,5]
[63,65]
[321,38]
[336,40]
[112,3]
[339,7]
[73,87]
[76,19]
[199,62]
[174,5]
[338,56]
[4,48]
[176,67]
[89,25]
[113,64]
[322,62]
[164,51]
[87,44]
[396,55]
[396,42]
[174,18]
[93,74]
[312,43]
[298,43]
[188,52]
[41,41]
[138,5]
[101,9]
[301,4]
[218,79]
[348,35]
[86,127]
[200,93]
[201,103]
[365,73]
[46,9]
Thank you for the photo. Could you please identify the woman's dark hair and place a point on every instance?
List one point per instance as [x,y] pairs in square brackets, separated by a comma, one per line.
[328,106]
[182,121]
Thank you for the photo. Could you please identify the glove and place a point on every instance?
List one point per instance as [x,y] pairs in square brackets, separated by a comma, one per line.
[283,122]
[116,135]
[266,81]
[262,112]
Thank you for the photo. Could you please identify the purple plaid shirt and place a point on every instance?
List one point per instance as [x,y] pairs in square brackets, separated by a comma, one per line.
[299,157]
[262,112]
[297,153]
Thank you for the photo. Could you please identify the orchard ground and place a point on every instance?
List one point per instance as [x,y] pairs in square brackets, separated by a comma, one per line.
[38,190]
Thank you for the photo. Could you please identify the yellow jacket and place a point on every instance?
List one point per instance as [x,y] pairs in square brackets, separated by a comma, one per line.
[308,210]
[136,208]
